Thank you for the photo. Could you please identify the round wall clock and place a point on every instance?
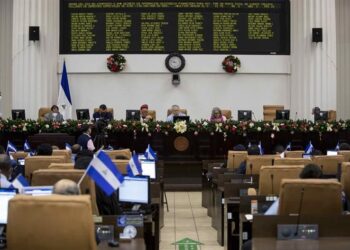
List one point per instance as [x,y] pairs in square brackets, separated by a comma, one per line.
[130,231]
[175,62]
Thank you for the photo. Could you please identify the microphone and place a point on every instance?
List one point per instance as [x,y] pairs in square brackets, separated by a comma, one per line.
[299,210]
[251,172]
[271,177]
[254,115]
[296,115]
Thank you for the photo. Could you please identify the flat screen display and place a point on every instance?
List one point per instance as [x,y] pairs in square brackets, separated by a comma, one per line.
[135,190]
[5,196]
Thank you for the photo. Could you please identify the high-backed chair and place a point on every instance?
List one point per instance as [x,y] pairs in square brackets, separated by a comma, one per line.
[48,177]
[50,222]
[234,158]
[270,111]
[328,164]
[19,154]
[332,115]
[121,165]
[40,162]
[294,154]
[152,113]
[292,161]
[346,154]
[42,112]
[184,111]
[317,197]
[345,178]
[254,163]
[61,166]
[227,113]
[271,176]
[120,152]
[66,153]
[110,110]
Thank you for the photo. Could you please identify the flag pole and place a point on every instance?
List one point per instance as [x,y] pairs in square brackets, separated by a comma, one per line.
[82,178]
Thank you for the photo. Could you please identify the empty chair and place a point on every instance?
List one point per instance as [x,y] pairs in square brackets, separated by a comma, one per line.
[328,164]
[48,177]
[41,162]
[271,176]
[50,222]
[292,161]
[345,178]
[42,112]
[66,153]
[270,111]
[227,113]
[346,154]
[120,152]
[121,165]
[61,166]
[294,154]
[152,113]
[317,197]
[254,163]
[234,158]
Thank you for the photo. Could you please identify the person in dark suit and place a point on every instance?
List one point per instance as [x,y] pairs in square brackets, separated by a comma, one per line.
[84,140]
[102,114]
[54,115]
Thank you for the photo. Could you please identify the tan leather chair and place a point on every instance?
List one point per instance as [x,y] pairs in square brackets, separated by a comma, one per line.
[120,152]
[321,197]
[227,113]
[110,110]
[61,166]
[40,162]
[345,178]
[66,153]
[328,164]
[271,176]
[42,112]
[234,158]
[346,154]
[19,154]
[294,154]
[292,161]
[332,115]
[121,165]
[270,111]
[152,113]
[50,222]
[254,163]
[48,177]
[184,111]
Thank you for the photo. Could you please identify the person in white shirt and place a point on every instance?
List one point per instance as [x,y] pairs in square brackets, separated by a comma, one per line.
[5,171]
[175,111]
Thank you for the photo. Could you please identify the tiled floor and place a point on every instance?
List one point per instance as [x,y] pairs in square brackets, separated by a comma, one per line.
[187,219]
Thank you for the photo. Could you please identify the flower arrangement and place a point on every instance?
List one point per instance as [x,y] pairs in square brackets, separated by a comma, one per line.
[116,63]
[180,127]
[231,64]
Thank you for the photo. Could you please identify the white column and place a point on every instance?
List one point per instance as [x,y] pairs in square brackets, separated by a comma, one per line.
[34,72]
[313,65]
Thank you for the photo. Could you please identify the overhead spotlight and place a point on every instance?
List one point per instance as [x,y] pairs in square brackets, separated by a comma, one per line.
[176,80]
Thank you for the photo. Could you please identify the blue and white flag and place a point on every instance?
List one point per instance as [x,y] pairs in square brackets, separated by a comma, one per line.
[105,173]
[288,147]
[337,148]
[309,148]
[10,147]
[64,101]
[134,166]
[20,182]
[109,147]
[150,154]
[68,147]
[26,146]
[261,150]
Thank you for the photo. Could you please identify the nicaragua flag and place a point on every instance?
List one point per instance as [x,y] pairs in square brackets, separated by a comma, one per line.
[150,154]
[68,147]
[26,146]
[288,147]
[337,148]
[10,147]
[134,166]
[261,150]
[64,101]
[309,148]
[20,182]
[105,173]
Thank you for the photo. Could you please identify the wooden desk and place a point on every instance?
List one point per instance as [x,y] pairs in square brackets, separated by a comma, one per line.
[325,243]
[135,244]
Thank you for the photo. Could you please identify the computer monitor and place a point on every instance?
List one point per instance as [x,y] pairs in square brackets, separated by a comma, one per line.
[332,152]
[83,114]
[132,115]
[6,194]
[321,116]
[18,114]
[37,190]
[181,118]
[135,190]
[307,156]
[282,114]
[244,115]
[149,169]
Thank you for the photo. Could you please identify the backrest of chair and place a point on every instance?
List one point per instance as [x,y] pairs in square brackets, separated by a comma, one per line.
[50,222]
[270,111]
[110,110]
[184,111]
[42,112]
[152,113]
[120,152]
[19,154]
[346,154]
[48,177]
[294,154]
[66,153]
[227,113]
[121,165]
[40,162]
[254,163]
[292,161]
[321,197]
[332,115]
[61,166]
[234,158]
[271,176]
[328,164]
[345,178]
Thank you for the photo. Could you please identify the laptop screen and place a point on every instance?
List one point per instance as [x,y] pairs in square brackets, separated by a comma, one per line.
[5,196]
[38,190]
[149,169]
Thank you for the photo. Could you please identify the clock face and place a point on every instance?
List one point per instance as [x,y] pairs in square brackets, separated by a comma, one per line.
[175,62]
[130,231]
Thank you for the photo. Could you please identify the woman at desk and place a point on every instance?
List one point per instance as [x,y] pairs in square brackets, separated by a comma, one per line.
[216,115]
[54,115]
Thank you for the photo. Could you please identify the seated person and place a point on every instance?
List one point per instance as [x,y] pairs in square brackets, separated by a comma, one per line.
[66,187]
[252,150]
[175,111]
[84,140]
[5,171]
[44,149]
[216,115]
[76,148]
[239,147]
[144,116]
[102,114]
[344,146]
[54,115]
